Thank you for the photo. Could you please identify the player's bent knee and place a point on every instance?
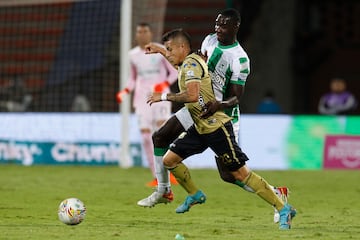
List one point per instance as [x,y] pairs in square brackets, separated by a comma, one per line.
[227,177]
[241,173]
[159,139]
[171,159]
[224,173]
[168,163]
[167,133]
[156,138]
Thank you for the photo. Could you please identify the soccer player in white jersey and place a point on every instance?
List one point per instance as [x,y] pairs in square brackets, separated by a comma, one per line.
[229,67]
[148,73]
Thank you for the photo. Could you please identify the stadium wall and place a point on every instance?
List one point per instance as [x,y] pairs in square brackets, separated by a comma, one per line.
[271,141]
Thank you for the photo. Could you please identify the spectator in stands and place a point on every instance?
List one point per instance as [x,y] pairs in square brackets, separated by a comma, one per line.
[14,96]
[80,103]
[268,105]
[338,101]
[149,72]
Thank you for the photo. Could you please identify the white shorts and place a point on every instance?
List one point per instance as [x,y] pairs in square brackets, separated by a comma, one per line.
[183,115]
[151,117]
[236,128]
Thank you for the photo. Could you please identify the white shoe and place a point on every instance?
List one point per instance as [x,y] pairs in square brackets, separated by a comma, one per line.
[283,193]
[156,198]
[276,216]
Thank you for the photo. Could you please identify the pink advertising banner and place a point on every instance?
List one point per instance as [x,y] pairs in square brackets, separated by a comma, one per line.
[342,152]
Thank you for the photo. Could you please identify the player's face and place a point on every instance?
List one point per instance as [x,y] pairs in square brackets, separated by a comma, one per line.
[174,52]
[143,35]
[337,86]
[226,30]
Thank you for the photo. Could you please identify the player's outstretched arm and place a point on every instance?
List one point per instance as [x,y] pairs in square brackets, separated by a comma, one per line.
[191,94]
[152,48]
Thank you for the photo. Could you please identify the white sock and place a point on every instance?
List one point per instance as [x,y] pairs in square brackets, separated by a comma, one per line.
[274,189]
[162,175]
[149,150]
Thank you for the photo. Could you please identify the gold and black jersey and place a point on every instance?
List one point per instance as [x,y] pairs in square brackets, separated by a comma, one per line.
[195,69]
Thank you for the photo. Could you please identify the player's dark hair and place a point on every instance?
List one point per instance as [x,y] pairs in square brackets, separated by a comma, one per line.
[144,24]
[177,33]
[232,14]
[337,79]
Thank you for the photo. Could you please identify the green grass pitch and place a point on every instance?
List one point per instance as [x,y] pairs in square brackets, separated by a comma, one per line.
[328,204]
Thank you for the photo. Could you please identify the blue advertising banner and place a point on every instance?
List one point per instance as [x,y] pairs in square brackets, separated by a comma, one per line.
[62,153]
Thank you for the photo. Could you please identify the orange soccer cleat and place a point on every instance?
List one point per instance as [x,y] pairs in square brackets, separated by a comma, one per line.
[173,180]
[152,183]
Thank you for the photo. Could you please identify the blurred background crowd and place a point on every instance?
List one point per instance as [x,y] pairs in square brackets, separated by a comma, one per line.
[63,56]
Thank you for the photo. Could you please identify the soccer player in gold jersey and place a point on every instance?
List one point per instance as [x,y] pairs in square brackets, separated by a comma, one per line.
[215,131]
[229,67]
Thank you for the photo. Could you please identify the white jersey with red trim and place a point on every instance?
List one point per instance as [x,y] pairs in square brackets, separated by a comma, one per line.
[146,71]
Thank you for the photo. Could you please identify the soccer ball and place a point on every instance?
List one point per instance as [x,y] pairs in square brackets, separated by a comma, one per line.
[72,211]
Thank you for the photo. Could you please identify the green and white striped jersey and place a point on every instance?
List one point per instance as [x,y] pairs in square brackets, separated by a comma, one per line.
[226,64]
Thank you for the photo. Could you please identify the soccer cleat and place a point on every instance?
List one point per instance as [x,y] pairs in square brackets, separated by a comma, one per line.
[287,213]
[156,198]
[277,215]
[152,183]
[173,180]
[283,193]
[198,198]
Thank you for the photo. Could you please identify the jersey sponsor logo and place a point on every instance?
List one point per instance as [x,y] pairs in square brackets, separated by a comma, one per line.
[148,72]
[218,80]
[190,73]
[201,102]
[221,65]
[211,121]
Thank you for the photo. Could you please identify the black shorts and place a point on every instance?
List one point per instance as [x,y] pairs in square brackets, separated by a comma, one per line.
[222,142]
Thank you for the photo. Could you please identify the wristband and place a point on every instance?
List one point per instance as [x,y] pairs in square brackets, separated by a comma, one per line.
[163,97]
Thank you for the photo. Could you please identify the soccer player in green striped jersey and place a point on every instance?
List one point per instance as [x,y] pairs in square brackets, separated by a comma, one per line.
[228,65]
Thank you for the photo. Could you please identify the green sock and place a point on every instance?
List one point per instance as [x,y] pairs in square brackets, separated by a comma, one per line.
[263,189]
[243,186]
[182,175]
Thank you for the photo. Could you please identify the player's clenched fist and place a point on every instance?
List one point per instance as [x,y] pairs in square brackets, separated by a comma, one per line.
[156,97]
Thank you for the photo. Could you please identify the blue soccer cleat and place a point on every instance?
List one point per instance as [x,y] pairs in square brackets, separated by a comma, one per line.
[287,213]
[198,198]
[283,193]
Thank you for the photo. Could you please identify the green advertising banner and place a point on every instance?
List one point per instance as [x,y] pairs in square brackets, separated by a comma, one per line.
[306,138]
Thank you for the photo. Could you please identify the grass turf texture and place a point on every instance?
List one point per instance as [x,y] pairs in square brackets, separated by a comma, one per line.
[327,202]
